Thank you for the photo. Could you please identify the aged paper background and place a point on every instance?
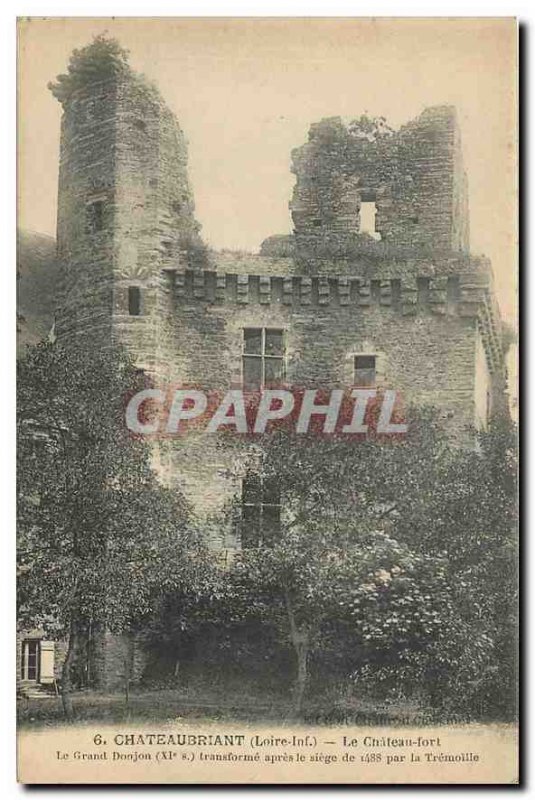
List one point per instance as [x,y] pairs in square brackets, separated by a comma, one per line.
[485,754]
[245,92]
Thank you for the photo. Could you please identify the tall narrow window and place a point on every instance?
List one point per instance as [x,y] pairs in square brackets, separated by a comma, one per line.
[423,286]
[395,289]
[134,301]
[29,667]
[453,293]
[263,357]
[365,371]
[261,511]
[368,211]
[96,215]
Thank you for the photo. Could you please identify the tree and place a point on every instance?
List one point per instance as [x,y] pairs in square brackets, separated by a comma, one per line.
[99,538]
[401,543]
[104,58]
[369,128]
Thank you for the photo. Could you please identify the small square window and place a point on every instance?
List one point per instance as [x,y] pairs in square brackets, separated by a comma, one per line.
[453,290]
[365,371]
[134,301]
[423,288]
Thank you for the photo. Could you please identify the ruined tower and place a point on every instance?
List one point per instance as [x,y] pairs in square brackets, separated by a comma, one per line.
[125,214]
[407,188]
[125,206]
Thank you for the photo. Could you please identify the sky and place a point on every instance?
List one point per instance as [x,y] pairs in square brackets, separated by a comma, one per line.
[245,92]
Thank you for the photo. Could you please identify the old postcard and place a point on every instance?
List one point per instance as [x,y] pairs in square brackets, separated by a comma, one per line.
[267,401]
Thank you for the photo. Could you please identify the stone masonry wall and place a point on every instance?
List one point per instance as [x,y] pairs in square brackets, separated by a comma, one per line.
[155,224]
[87,177]
[116,658]
[415,177]
[424,329]
[121,148]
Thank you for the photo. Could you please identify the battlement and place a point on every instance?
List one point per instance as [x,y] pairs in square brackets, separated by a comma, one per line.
[462,292]
[458,283]
[467,294]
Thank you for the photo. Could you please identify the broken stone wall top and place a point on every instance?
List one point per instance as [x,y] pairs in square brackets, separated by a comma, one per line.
[125,204]
[414,176]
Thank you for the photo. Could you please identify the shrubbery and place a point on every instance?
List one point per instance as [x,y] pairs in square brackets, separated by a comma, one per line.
[394,574]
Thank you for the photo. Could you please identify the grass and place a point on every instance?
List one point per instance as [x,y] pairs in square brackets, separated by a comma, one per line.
[152,705]
[224,701]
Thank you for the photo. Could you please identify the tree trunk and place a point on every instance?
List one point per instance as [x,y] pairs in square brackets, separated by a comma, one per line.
[66,673]
[128,657]
[300,639]
[301,651]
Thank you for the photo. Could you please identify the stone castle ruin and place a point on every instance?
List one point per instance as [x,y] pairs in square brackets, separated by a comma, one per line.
[376,282]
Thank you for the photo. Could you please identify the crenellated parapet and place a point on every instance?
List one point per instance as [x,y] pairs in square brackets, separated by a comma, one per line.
[461,295]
